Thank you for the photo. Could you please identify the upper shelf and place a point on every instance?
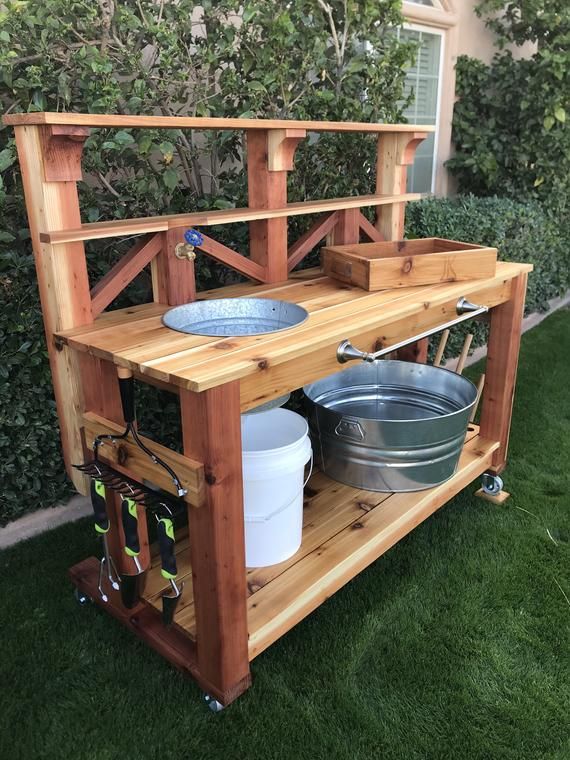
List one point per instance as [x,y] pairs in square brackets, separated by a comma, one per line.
[195,122]
[145,225]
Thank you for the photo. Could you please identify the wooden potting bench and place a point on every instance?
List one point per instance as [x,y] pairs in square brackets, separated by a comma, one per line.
[229,614]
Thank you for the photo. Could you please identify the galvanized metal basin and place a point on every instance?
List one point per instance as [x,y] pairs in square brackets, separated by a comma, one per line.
[390,425]
[232,317]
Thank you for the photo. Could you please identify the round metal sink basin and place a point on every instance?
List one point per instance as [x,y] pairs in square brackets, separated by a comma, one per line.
[232,317]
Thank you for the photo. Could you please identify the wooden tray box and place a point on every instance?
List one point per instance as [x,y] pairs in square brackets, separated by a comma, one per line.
[404,263]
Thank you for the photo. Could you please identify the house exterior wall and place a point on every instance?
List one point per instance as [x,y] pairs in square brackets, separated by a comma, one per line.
[463,34]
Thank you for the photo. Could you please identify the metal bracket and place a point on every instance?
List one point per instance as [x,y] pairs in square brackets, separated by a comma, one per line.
[465,309]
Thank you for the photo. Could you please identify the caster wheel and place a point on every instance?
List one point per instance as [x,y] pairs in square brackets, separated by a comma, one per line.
[491,484]
[213,704]
[81,598]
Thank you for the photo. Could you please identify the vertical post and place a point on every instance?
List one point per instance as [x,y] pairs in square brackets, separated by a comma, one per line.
[501,371]
[211,433]
[395,153]
[269,158]
[347,229]
[50,160]
[173,279]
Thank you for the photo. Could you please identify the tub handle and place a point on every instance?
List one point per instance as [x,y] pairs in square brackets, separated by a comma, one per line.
[346,352]
[350,428]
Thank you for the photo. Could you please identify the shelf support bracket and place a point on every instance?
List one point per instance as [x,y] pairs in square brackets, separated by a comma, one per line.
[62,147]
[281,147]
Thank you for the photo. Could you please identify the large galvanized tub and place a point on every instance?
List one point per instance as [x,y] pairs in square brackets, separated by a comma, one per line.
[390,425]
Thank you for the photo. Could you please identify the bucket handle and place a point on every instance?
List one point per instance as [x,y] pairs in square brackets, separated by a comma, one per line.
[265,518]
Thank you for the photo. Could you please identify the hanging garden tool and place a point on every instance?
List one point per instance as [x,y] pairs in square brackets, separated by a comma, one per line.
[169,570]
[130,522]
[99,504]
[132,492]
[118,481]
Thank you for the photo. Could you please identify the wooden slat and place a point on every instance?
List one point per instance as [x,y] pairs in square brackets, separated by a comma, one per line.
[123,272]
[126,457]
[441,348]
[501,370]
[281,604]
[232,259]
[195,122]
[144,225]
[480,386]
[464,353]
[309,239]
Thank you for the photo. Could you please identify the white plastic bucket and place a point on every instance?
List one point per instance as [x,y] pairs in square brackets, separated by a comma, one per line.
[275,450]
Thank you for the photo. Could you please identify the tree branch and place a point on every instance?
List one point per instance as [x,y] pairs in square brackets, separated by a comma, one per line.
[328,11]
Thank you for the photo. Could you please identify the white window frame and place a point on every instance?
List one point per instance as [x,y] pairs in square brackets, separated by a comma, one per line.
[440,33]
[436,4]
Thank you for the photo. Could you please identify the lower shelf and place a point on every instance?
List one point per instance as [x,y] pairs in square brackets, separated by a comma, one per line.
[345,529]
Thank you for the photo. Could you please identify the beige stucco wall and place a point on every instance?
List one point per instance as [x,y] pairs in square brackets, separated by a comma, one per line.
[473,37]
[463,34]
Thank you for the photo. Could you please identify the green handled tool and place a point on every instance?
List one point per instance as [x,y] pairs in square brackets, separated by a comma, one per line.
[169,570]
[130,521]
[99,504]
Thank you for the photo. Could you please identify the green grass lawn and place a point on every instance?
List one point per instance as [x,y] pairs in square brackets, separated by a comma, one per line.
[456,644]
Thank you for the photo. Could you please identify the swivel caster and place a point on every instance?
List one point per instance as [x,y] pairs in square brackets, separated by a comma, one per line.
[492,489]
[213,704]
[81,597]
[491,484]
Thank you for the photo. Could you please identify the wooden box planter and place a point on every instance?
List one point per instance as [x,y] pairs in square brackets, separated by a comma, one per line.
[403,263]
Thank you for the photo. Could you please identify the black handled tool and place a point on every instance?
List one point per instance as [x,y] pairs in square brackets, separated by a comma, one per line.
[99,504]
[130,522]
[169,570]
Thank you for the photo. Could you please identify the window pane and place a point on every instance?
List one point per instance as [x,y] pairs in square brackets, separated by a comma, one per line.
[422,80]
[431,3]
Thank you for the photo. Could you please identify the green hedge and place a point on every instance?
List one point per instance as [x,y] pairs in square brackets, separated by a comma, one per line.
[521,231]
[31,470]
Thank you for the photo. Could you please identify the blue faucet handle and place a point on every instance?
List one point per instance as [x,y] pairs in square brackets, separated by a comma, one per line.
[193,237]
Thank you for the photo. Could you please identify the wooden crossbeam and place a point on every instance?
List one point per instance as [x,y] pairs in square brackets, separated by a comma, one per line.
[369,229]
[124,455]
[124,272]
[308,241]
[232,259]
[144,225]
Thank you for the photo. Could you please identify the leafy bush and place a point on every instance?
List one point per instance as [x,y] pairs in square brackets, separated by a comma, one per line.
[509,123]
[311,59]
[521,231]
